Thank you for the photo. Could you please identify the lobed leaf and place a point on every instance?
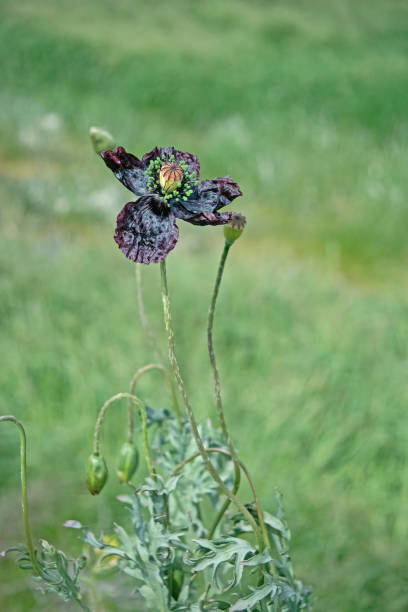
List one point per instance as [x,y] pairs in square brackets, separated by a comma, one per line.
[220,556]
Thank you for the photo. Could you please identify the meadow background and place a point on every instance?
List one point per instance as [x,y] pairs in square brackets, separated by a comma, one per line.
[305,103]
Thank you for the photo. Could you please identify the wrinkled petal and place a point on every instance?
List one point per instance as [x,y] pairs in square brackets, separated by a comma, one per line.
[191,160]
[146,230]
[212,195]
[127,168]
[220,191]
[200,218]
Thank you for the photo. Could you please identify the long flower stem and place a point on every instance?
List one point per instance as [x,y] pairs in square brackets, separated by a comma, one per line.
[190,414]
[237,480]
[37,570]
[137,375]
[24,499]
[143,318]
[217,390]
[143,418]
[217,384]
[227,502]
[153,340]
[237,466]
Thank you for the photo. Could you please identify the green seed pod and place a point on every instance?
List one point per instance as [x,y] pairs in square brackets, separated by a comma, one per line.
[96,473]
[128,461]
[235,227]
[101,140]
[170,176]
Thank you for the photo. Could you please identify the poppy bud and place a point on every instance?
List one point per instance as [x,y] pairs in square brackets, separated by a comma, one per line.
[234,228]
[171,174]
[101,140]
[96,473]
[128,461]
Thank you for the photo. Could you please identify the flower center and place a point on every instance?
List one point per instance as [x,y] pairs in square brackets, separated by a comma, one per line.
[170,179]
[171,175]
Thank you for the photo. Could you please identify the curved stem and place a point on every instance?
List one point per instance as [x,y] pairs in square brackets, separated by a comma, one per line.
[190,414]
[143,417]
[217,390]
[227,502]
[237,480]
[239,465]
[137,375]
[37,570]
[153,342]
[24,499]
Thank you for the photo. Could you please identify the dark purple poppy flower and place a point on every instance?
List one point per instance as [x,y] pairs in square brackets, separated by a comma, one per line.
[168,184]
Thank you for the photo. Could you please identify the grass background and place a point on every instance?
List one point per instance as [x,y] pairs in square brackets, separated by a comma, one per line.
[304,102]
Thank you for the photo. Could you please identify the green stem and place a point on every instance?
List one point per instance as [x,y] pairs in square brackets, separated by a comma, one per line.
[237,480]
[190,414]
[153,340]
[137,375]
[227,502]
[211,449]
[142,410]
[218,397]
[217,384]
[24,498]
[238,466]
[143,318]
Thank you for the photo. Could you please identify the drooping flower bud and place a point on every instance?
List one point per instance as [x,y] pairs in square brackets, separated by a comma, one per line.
[96,473]
[101,140]
[128,461]
[171,174]
[234,228]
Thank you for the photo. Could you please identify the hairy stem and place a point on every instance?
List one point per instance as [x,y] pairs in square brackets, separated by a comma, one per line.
[217,384]
[24,499]
[153,342]
[37,570]
[237,480]
[137,375]
[218,397]
[143,318]
[237,467]
[142,410]
[227,502]
[190,414]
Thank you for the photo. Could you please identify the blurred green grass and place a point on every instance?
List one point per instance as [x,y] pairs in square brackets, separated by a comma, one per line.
[305,103]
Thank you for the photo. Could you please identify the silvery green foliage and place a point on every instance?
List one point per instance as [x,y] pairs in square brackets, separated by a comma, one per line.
[172,446]
[273,595]
[166,550]
[59,574]
[224,558]
[165,516]
[163,550]
[147,553]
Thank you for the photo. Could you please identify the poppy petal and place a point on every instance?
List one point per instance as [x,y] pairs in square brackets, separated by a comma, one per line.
[146,230]
[212,195]
[219,192]
[201,217]
[127,168]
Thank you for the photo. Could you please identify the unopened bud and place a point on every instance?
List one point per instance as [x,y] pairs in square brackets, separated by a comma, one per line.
[128,461]
[96,473]
[170,176]
[234,228]
[101,140]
